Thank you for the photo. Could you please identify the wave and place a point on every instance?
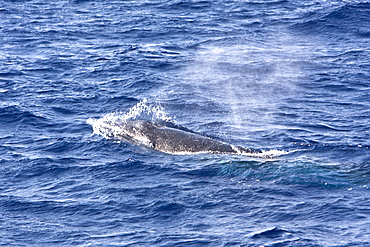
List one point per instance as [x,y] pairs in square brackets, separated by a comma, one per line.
[337,21]
[17,115]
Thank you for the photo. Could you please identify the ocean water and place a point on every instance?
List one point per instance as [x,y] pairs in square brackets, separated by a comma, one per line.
[285,76]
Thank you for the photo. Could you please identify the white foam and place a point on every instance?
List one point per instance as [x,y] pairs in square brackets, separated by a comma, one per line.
[144,110]
[110,125]
[266,154]
[107,126]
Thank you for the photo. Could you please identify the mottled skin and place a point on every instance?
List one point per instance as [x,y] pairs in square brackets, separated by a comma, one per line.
[173,140]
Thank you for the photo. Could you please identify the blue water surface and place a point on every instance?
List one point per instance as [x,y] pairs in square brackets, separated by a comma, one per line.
[285,75]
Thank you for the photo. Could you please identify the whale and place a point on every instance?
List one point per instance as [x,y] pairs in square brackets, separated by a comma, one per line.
[174,140]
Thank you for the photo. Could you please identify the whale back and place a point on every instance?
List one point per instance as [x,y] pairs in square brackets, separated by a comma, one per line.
[172,140]
[179,141]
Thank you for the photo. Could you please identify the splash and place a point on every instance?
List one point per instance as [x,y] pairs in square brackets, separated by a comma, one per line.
[110,125]
[146,110]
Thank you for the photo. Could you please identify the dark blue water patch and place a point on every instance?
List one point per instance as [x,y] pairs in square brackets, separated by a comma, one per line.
[168,211]
[363,33]
[18,117]
[207,171]
[64,111]
[305,175]
[338,211]
[14,204]
[184,5]
[351,16]
[38,168]
[4,150]
[61,146]
[270,233]
[168,240]
[11,73]
[128,169]
[340,23]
